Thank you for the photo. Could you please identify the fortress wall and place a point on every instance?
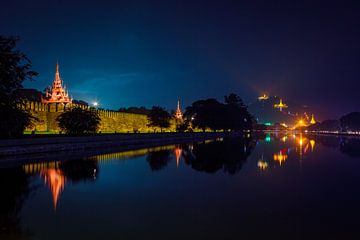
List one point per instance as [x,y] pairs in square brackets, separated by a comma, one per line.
[111,121]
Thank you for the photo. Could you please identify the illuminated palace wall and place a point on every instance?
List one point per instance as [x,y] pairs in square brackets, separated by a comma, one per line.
[111,121]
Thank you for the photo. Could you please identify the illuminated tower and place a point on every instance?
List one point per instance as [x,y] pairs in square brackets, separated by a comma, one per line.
[263,97]
[178,113]
[280,105]
[57,93]
[312,121]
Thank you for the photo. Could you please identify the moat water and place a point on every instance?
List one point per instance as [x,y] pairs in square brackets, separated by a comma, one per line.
[260,187]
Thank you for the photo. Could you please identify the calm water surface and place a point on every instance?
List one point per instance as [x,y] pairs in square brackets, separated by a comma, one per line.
[267,187]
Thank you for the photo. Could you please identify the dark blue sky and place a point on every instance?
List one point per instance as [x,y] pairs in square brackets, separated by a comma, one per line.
[137,52]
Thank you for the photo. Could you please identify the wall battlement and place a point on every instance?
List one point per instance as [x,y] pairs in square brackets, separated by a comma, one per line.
[111,121]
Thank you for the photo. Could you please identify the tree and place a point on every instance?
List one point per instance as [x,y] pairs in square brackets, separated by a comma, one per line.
[205,114]
[228,155]
[79,121]
[234,100]
[14,69]
[209,113]
[183,126]
[350,122]
[237,116]
[159,117]
[158,160]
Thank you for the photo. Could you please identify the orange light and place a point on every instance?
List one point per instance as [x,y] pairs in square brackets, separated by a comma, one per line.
[178,152]
[280,157]
[55,180]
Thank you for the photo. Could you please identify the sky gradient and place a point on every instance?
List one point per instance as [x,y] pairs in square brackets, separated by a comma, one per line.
[144,53]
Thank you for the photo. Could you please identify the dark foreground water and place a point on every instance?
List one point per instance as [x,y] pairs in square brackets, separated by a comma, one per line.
[267,187]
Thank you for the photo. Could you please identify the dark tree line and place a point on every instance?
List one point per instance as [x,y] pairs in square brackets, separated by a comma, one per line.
[228,156]
[159,117]
[348,122]
[15,68]
[209,113]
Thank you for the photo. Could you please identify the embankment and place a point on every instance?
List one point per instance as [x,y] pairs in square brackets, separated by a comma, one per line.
[37,145]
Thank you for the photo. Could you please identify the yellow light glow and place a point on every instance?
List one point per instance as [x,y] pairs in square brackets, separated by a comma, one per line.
[263,97]
[280,105]
[312,119]
[262,165]
[312,144]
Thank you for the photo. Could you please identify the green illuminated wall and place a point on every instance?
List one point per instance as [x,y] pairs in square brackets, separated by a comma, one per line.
[111,121]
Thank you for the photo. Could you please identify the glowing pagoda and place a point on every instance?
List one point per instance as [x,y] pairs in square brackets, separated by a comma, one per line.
[178,113]
[312,121]
[263,97]
[56,93]
[280,105]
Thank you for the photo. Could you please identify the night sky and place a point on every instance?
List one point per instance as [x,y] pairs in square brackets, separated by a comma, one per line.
[144,53]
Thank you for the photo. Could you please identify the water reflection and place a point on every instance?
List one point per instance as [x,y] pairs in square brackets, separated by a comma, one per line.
[16,188]
[158,160]
[178,152]
[220,156]
[228,155]
[281,156]
[55,179]
[56,174]
[350,147]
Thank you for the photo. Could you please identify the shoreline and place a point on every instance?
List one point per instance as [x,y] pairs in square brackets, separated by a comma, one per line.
[26,146]
[326,133]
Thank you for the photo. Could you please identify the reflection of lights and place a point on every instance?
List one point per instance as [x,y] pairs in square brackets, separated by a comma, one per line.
[312,144]
[94,174]
[55,180]
[178,152]
[267,138]
[280,157]
[262,165]
[284,138]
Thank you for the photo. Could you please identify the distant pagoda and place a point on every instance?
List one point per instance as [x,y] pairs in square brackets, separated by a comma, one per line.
[56,93]
[178,113]
[312,121]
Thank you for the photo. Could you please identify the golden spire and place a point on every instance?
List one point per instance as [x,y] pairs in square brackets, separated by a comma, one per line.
[280,105]
[56,94]
[178,113]
[57,67]
[312,121]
